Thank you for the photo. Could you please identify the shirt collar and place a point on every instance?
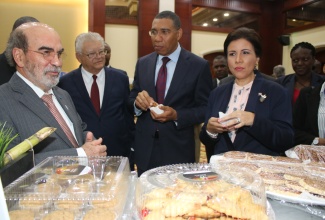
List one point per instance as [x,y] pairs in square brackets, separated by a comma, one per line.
[89,76]
[173,56]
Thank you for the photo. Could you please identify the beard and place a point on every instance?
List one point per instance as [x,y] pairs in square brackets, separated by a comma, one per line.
[41,78]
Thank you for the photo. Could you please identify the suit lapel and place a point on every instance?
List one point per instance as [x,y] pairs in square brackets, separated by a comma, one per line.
[109,81]
[149,75]
[80,85]
[35,104]
[182,68]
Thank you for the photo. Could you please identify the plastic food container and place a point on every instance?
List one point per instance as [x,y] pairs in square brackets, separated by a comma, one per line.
[69,187]
[202,191]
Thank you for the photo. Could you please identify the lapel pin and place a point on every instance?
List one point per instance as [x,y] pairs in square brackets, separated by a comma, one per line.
[262,97]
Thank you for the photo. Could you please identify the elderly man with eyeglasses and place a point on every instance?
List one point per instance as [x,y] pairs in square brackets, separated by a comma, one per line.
[100,95]
[31,100]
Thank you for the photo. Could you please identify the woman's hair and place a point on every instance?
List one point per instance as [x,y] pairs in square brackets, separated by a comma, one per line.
[305,45]
[244,33]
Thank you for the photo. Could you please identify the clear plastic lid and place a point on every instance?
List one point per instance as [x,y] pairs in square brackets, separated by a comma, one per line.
[77,184]
[200,190]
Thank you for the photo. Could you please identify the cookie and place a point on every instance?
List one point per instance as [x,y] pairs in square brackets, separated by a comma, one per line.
[99,214]
[21,214]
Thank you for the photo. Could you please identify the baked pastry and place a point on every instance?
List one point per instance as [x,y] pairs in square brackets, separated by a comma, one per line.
[100,214]
[21,214]
[104,203]
[32,202]
[314,185]
[236,155]
[272,178]
[286,159]
[69,204]
[59,215]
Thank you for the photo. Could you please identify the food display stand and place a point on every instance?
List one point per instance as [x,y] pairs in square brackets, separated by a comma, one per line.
[69,183]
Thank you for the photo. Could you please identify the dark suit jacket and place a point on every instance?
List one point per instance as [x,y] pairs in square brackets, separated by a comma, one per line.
[115,122]
[26,113]
[6,71]
[305,115]
[288,81]
[187,94]
[272,131]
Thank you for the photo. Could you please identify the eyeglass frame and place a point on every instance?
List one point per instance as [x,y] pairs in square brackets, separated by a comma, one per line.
[92,55]
[162,32]
[49,54]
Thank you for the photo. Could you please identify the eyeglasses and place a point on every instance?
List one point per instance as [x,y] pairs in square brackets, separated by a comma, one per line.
[50,54]
[161,32]
[94,54]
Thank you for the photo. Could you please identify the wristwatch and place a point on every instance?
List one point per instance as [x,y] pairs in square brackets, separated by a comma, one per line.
[315,141]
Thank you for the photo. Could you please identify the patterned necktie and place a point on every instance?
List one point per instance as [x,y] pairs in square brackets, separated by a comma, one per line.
[47,98]
[161,81]
[94,95]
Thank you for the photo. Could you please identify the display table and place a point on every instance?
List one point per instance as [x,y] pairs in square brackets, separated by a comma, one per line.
[291,211]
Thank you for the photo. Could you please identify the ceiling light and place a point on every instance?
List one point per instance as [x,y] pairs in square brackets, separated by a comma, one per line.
[226,14]
[215,19]
[293,19]
[205,24]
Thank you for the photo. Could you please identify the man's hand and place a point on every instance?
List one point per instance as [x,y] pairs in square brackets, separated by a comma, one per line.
[93,147]
[169,114]
[143,101]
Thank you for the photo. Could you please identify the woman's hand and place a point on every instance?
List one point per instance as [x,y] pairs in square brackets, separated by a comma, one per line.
[237,119]
[214,126]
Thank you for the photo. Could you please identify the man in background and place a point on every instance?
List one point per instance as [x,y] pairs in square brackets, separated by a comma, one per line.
[317,67]
[278,71]
[31,100]
[108,58]
[220,68]
[6,71]
[100,95]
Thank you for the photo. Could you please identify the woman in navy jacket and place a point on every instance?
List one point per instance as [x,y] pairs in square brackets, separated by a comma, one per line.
[258,114]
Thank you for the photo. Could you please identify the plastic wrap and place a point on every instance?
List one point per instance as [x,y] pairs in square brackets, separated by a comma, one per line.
[201,191]
[68,187]
[288,180]
[307,153]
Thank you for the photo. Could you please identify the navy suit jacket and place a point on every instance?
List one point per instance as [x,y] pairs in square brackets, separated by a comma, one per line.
[271,132]
[188,95]
[25,112]
[288,81]
[115,122]
[305,115]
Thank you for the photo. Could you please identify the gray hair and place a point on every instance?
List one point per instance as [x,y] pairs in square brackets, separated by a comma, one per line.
[279,71]
[90,36]
[17,39]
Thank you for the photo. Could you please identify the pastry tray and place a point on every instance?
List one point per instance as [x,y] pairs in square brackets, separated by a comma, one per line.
[69,184]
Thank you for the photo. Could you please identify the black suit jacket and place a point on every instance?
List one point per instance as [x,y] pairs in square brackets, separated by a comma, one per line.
[115,123]
[288,81]
[305,115]
[6,71]
[187,94]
